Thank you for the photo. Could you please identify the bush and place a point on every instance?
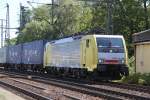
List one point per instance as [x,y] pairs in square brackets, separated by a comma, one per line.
[143,79]
[133,79]
[146,78]
[131,62]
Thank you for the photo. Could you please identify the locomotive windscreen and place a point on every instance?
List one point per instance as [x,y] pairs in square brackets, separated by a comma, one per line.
[110,45]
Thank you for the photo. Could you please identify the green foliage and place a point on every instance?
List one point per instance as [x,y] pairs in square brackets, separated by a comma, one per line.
[11,41]
[129,18]
[99,13]
[133,79]
[131,62]
[67,16]
[34,30]
[143,79]
[136,78]
[67,19]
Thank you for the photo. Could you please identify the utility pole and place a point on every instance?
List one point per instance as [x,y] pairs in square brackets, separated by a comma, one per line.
[52,12]
[22,16]
[2,32]
[146,15]
[7,35]
[109,17]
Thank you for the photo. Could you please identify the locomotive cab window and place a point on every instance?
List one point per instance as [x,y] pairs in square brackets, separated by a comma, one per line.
[114,45]
[87,43]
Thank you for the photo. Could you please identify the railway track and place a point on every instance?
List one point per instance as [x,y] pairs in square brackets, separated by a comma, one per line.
[11,80]
[140,88]
[95,91]
[104,90]
[27,92]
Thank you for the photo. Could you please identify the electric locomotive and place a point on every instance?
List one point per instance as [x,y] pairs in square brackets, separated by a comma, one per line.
[99,56]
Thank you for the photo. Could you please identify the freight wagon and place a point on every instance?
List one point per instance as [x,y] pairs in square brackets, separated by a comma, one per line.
[3,56]
[26,56]
[14,56]
[32,55]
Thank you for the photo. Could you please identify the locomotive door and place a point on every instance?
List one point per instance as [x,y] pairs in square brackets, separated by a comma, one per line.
[87,53]
[83,53]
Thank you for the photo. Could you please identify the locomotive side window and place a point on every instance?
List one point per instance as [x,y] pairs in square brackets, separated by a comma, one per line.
[87,43]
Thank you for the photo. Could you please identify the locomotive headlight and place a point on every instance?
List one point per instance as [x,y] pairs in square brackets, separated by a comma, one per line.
[101,60]
[122,61]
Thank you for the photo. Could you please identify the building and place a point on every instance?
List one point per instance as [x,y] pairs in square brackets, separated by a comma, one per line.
[141,42]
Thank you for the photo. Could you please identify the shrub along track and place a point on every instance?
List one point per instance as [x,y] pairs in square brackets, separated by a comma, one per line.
[107,90]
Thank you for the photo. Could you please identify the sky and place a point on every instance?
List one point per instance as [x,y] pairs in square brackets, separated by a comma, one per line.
[14,8]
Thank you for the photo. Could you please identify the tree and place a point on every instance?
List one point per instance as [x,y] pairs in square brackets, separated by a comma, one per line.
[70,17]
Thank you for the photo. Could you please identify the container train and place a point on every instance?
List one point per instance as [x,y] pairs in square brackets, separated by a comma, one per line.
[97,56]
